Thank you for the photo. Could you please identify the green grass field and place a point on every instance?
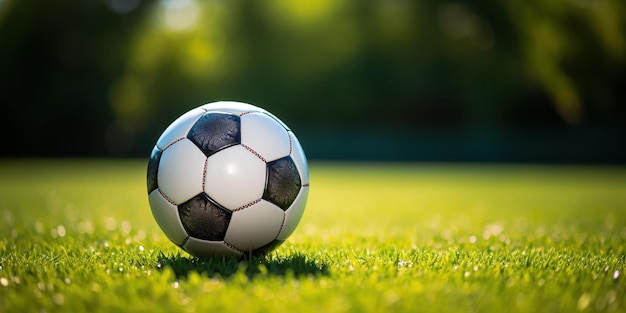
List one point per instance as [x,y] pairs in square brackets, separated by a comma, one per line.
[78,235]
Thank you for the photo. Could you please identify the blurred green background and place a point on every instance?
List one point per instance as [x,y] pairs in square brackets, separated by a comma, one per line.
[421,80]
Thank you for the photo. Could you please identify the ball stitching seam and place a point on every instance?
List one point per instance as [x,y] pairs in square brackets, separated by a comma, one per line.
[282,225]
[245,206]
[255,153]
[167,198]
[233,247]
[206,160]
[290,145]
[173,142]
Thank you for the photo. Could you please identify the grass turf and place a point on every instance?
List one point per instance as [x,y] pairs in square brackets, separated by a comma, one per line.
[78,235]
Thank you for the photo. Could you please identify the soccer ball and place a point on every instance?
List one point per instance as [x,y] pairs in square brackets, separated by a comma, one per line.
[227,179]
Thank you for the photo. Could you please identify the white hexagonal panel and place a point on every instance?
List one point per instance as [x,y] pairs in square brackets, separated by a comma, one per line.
[254,226]
[207,249]
[233,107]
[297,154]
[181,171]
[179,128]
[293,215]
[234,177]
[264,135]
[166,215]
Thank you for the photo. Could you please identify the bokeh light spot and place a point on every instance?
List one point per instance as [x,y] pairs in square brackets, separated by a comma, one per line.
[180,15]
[304,11]
[457,21]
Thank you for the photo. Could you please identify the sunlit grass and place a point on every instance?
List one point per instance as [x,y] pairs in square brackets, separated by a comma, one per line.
[78,235]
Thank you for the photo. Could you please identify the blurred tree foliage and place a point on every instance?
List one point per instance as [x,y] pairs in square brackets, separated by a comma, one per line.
[104,77]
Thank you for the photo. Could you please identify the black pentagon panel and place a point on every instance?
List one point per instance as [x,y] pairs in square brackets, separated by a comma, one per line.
[283,182]
[204,219]
[266,248]
[153,167]
[215,131]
